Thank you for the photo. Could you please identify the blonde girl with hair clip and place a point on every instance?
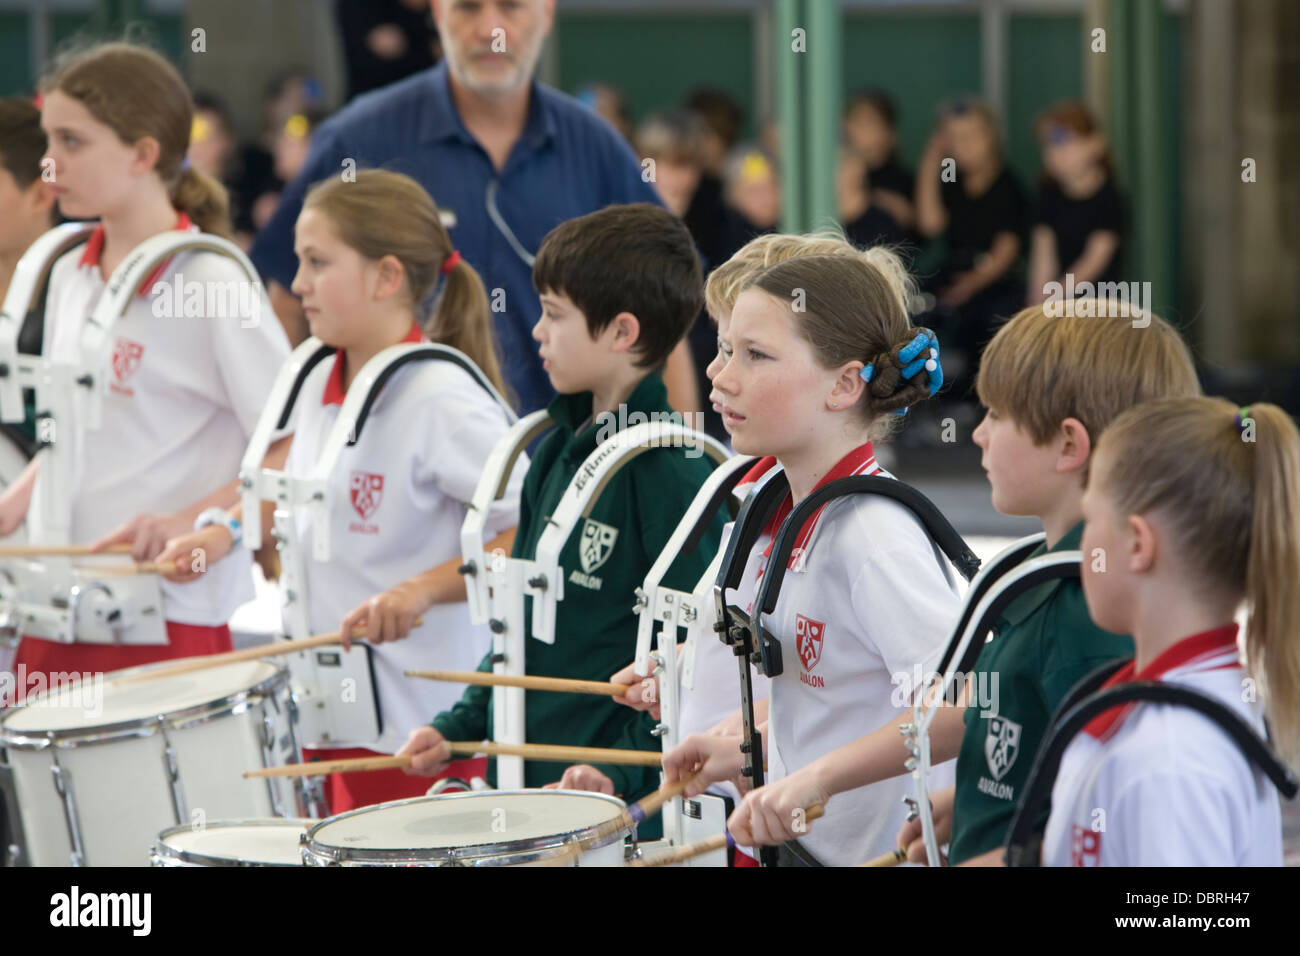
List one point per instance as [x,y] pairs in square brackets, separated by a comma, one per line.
[370,252]
[710,706]
[184,392]
[720,292]
[867,594]
[1193,508]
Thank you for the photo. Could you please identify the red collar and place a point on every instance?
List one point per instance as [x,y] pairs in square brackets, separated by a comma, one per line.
[95,248]
[1204,648]
[860,461]
[334,391]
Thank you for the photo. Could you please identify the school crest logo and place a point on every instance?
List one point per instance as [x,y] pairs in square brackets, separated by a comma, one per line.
[808,640]
[366,491]
[597,543]
[1002,745]
[1085,846]
[126,359]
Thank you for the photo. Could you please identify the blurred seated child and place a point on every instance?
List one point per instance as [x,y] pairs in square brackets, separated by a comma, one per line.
[1079,219]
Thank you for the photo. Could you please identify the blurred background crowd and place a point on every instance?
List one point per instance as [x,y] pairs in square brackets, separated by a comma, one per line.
[1111,159]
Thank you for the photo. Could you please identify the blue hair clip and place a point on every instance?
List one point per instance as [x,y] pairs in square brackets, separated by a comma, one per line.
[922,353]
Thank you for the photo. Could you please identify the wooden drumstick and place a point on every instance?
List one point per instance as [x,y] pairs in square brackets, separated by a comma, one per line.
[892,858]
[136,567]
[485,679]
[273,649]
[639,811]
[59,551]
[722,840]
[546,752]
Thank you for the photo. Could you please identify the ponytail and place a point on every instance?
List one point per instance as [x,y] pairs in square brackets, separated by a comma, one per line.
[383,213]
[1273,573]
[204,200]
[463,320]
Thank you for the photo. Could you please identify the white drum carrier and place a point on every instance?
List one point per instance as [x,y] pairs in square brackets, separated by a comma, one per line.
[50,598]
[320,674]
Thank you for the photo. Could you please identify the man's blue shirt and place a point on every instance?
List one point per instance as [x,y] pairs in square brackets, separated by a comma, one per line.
[568,162]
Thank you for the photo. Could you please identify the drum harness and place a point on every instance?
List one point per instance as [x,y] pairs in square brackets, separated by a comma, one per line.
[313,492]
[497,584]
[752,643]
[53,596]
[675,610]
[1084,702]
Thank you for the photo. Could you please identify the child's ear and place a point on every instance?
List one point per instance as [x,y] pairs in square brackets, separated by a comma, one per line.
[1142,544]
[848,387]
[388,277]
[1075,446]
[146,151]
[625,331]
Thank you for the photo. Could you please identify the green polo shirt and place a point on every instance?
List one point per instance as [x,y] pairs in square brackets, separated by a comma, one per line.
[595,626]
[1043,645]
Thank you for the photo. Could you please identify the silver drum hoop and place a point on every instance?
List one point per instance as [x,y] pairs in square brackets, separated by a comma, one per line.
[173,856]
[503,853]
[147,726]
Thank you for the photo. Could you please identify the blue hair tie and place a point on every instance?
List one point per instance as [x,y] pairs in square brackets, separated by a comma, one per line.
[185,164]
[922,353]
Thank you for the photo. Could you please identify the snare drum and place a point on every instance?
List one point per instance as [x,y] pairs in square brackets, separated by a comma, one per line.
[482,828]
[270,842]
[100,768]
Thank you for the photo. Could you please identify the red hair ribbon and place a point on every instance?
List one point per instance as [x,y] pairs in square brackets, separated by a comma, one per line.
[450,262]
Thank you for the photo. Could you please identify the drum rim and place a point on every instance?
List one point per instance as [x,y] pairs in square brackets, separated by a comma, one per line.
[162,851]
[508,851]
[37,739]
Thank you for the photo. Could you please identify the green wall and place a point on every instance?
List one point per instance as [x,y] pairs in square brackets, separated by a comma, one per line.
[164,33]
[922,59]
[657,59]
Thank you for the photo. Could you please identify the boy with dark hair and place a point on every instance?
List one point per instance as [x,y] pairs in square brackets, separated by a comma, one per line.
[619,288]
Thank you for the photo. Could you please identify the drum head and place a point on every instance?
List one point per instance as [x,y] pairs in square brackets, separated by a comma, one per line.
[465,825]
[264,842]
[74,707]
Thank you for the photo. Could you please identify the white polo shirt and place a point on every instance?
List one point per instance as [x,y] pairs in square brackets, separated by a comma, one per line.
[1162,785]
[184,397]
[398,499]
[867,599]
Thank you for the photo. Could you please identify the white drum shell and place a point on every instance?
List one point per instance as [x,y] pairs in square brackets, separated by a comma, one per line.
[120,778]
